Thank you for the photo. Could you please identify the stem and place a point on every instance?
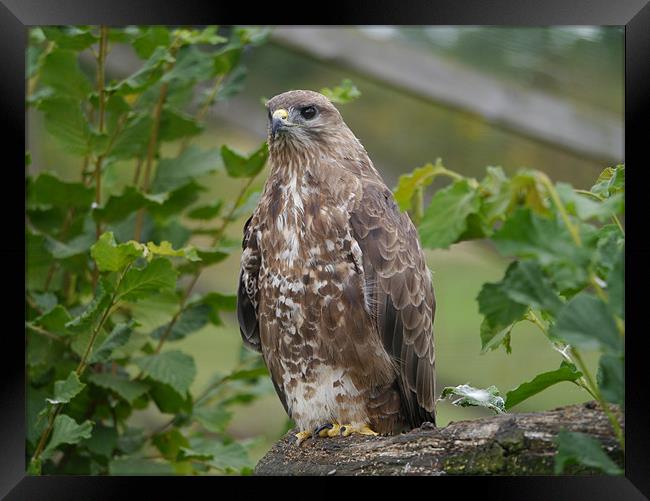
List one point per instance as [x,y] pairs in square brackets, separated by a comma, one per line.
[418,211]
[596,391]
[101,67]
[153,140]
[43,332]
[615,219]
[205,106]
[33,81]
[79,370]
[560,207]
[138,168]
[582,382]
[218,234]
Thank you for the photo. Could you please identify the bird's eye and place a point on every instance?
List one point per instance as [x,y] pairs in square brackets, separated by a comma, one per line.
[270,116]
[308,112]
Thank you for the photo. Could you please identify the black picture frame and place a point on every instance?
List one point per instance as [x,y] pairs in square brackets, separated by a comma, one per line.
[17,15]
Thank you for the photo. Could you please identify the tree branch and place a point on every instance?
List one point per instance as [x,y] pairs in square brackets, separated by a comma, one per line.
[507,444]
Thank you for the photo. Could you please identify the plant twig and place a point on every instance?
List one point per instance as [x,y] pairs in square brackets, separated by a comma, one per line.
[582,382]
[79,370]
[218,234]
[596,392]
[205,106]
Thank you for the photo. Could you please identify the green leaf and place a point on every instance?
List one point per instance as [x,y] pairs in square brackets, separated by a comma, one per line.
[611,378]
[131,440]
[446,217]
[73,247]
[176,201]
[233,456]
[118,337]
[219,302]
[145,76]
[497,306]
[139,466]
[527,235]
[225,60]
[566,372]
[47,191]
[66,390]
[134,138]
[342,94]
[206,36]
[408,184]
[610,181]
[170,367]
[127,389]
[527,190]
[65,121]
[501,311]
[170,443]
[156,310]
[527,284]
[233,84]
[578,448]
[119,207]
[66,431]
[586,207]
[585,322]
[214,419]
[172,231]
[55,320]
[158,275]
[86,320]
[150,39]
[610,242]
[176,172]
[46,301]
[60,72]
[168,400]
[38,263]
[192,65]
[102,442]
[239,165]
[70,37]
[191,320]
[165,249]
[110,256]
[176,124]
[493,336]
[496,195]
[475,397]
[206,212]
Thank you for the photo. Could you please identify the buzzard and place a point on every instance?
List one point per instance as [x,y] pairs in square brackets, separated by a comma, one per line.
[334,290]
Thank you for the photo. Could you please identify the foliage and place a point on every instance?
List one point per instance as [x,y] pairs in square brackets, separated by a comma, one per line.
[566,276]
[110,267]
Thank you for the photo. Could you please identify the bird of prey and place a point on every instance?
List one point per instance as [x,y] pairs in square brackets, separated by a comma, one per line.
[334,290]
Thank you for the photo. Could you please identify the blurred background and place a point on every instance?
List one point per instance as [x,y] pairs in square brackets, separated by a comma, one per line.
[549,98]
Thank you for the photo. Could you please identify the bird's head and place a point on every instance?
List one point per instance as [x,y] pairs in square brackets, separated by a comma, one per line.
[302,118]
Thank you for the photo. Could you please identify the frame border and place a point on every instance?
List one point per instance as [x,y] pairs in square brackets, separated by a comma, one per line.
[17,15]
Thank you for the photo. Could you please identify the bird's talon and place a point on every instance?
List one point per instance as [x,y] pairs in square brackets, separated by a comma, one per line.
[323,431]
[301,436]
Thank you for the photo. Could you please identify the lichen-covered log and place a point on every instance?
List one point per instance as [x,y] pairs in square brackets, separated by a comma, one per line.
[508,444]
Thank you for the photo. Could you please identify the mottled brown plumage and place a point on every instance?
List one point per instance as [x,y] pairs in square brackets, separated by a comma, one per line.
[334,290]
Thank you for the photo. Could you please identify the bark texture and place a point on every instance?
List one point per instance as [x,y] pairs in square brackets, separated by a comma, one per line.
[507,444]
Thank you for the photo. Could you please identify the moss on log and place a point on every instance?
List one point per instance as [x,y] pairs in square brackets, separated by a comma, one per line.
[507,444]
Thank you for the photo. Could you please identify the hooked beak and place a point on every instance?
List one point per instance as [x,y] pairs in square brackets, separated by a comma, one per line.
[279,120]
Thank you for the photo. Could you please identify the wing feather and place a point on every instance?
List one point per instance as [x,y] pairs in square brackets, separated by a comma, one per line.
[400,284]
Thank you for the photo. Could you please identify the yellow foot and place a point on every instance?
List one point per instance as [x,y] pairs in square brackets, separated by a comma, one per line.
[348,429]
[301,436]
[329,430]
